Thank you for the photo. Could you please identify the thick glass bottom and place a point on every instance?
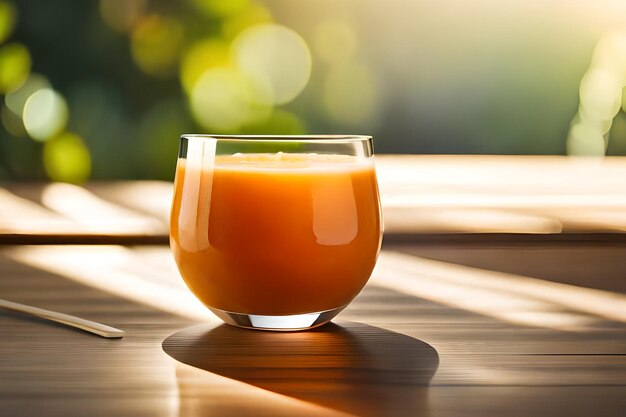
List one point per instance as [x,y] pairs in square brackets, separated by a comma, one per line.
[277,323]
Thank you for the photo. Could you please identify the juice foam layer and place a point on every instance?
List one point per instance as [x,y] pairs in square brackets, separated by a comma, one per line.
[292,161]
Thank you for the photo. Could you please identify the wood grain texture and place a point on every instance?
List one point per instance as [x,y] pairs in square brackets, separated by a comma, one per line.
[378,360]
[421,195]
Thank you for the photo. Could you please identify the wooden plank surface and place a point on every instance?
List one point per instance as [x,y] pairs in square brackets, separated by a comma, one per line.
[420,194]
[438,331]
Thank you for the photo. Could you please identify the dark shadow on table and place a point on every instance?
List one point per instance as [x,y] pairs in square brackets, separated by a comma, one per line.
[349,367]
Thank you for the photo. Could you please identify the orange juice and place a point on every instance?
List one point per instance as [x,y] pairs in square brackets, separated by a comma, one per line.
[276,234]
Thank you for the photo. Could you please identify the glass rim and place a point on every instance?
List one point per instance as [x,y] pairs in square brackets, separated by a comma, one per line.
[281,138]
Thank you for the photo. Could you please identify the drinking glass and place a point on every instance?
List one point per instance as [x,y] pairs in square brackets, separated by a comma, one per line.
[275,232]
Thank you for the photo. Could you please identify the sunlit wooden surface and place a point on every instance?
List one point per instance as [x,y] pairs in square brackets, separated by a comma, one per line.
[439,331]
[533,195]
[465,315]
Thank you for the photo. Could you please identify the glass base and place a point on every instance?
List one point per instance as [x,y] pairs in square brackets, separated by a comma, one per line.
[277,323]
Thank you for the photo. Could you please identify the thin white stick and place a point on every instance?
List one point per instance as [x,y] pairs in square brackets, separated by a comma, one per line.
[72,321]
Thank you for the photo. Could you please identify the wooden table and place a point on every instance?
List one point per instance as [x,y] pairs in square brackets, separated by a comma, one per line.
[503,317]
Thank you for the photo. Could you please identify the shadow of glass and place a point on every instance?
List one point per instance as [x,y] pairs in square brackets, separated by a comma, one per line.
[351,367]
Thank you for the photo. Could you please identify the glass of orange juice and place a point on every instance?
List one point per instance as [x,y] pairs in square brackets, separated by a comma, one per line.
[275,232]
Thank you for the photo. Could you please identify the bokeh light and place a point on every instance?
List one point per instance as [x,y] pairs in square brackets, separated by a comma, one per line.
[16,100]
[280,122]
[335,41]
[14,66]
[601,125]
[610,54]
[156,44]
[14,103]
[349,95]
[121,15]
[274,57]
[45,114]
[139,69]
[600,94]
[203,55]
[223,99]
[254,14]
[220,8]
[7,19]
[601,97]
[585,140]
[67,159]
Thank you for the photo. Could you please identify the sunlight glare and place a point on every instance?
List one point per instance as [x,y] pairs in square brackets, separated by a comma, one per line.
[106,268]
[512,298]
[93,213]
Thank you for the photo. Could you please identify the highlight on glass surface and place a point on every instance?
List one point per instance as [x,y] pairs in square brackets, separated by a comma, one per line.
[275,232]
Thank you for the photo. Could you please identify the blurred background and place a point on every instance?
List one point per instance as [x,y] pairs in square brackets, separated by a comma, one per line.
[103,89]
